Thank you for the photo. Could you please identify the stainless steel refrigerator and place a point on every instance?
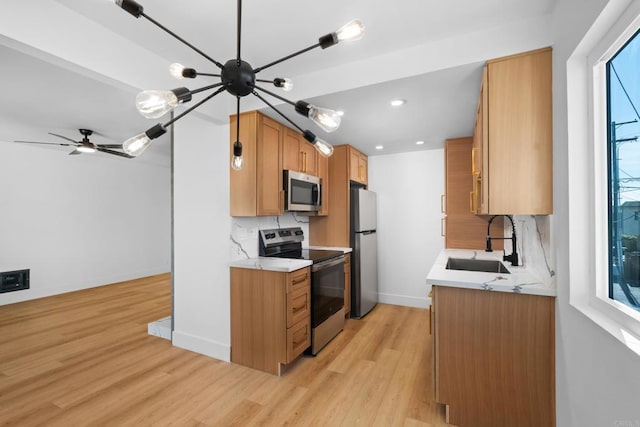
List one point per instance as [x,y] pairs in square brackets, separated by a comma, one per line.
[364,259]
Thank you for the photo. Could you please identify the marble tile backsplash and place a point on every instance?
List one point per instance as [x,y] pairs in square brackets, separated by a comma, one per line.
[244,232]
[534,244]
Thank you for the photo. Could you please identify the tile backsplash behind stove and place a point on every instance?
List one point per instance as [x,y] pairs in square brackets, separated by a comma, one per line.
[244,232]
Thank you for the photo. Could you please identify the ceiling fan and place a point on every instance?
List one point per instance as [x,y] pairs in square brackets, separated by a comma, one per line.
[84,145]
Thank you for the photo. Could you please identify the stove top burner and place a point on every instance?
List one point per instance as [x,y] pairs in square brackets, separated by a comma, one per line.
[287,243]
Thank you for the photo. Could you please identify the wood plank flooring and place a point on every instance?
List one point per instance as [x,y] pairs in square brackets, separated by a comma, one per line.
[85,358]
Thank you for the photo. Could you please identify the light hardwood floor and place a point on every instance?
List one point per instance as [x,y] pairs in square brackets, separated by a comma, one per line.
[85,358]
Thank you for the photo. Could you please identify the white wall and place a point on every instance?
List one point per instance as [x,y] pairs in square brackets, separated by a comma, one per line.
[409,186]
[597,377]
[201,237]
[81,221]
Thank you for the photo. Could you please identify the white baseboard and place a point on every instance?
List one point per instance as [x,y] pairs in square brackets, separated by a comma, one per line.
[202,345]
[35,290]
[160,328]
[405,300]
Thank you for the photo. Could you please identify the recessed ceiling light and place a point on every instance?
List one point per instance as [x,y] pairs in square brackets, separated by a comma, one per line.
[419,142]
[340,113]
[398,102]
[379,147]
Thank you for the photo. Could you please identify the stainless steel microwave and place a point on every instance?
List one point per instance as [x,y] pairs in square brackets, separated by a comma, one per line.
[302,192]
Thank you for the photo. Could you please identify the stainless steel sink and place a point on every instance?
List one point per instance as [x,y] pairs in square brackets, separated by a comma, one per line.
[486,265]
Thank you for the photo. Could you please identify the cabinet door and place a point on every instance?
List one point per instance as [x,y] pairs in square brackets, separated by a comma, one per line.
[269,168]
[323,173]
[308,156]
[357,166]
[520,140]
[464,229]
[363,169]
[347,284]
[291,151]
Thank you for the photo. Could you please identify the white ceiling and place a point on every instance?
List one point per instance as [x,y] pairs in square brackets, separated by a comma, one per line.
[60,97]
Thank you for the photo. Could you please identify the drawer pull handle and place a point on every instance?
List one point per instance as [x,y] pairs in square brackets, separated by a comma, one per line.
[303,279]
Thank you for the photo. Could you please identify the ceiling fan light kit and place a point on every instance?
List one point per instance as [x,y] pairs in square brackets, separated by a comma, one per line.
[84,145]
[238,78]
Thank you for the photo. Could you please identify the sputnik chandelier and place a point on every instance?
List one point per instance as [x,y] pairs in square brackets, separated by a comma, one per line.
[238,78]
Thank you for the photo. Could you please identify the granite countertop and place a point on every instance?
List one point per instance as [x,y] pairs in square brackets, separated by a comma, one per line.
[521,280]
[332,248]
[286,265]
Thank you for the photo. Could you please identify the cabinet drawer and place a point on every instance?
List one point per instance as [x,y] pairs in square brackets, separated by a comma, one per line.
[298,279]
[298,305]
[298,338]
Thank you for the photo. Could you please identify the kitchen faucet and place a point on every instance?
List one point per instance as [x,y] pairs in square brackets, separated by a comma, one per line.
[513,258]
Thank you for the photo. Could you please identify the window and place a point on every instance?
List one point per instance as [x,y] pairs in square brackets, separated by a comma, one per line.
[623,173]
[600,181]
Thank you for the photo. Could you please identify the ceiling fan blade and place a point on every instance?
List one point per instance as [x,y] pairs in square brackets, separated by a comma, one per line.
[63,137]
[74,152]
[46,143]
[117,153]
[109,145]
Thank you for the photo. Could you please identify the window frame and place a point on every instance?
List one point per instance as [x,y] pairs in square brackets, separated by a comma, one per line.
[589,258]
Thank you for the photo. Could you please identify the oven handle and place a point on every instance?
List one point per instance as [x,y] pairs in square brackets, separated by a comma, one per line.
[328,263]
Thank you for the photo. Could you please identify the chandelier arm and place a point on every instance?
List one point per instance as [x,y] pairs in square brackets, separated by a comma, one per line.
[275,95]
[207,74]
[162,27]
[187,111]
[202,89]
[278,111]
[300,52]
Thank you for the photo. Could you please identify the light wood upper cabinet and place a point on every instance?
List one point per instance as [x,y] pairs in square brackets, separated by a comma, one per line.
[297,154]
[323,173]
[494,356]
[270,317]
[357,166]
[256,189]
[463,229]
[333,230]
[514,136]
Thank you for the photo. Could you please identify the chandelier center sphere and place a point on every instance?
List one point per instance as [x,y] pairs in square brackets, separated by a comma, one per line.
[238,78]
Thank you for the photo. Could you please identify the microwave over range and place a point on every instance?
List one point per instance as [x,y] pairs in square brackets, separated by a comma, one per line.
[302,192]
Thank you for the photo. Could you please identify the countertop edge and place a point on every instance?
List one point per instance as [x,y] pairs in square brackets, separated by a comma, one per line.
[521,280]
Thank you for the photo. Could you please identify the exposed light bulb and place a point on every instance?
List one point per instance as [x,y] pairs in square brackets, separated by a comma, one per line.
[352,30]
[134,146]
[237,162]
[323,147]
[156,103]
[287,86]
[379,147]
[176,70]
[398,102]
[419,142]
[86,149]
[327,119]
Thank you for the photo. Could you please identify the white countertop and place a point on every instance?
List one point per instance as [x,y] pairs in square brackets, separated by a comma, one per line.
[521,280]
[331,248]
[286,265]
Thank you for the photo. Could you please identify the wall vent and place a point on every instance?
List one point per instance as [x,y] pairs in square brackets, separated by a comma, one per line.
[14,280]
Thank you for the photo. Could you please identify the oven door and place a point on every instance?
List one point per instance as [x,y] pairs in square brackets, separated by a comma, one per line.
[327,289]
[302,191]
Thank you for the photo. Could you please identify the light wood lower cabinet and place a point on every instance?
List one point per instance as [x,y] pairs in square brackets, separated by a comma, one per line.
[347,284]
[270,317]
[494,357]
